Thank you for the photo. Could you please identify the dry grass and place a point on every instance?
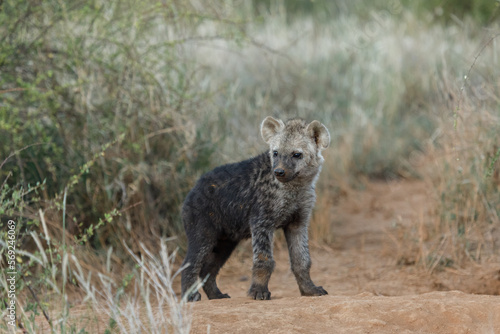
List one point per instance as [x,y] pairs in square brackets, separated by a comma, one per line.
[143,301]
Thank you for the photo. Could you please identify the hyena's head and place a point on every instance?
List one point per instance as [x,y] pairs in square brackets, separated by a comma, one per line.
[295,148]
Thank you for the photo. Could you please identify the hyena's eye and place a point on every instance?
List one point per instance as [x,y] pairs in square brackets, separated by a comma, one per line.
[297,155]
[275,153]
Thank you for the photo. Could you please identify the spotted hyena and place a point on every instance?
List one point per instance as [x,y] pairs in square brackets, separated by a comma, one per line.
[251,199]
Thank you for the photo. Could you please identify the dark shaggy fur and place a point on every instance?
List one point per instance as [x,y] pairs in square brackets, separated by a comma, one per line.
[252,198]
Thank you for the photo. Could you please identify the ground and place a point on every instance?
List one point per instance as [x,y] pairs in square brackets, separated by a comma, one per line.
[372,271]
[369,272]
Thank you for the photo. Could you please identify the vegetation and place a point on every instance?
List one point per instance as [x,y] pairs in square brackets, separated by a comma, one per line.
[111,110]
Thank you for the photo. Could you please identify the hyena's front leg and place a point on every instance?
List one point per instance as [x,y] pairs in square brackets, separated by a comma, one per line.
[300,261]
[263,262]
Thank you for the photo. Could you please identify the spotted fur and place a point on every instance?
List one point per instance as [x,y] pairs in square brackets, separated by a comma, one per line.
[251,199]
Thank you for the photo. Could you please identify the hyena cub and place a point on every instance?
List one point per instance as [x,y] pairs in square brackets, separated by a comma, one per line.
[252,198]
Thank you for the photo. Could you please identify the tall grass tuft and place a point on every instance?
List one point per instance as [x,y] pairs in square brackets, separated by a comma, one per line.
[145,300]
[466,178]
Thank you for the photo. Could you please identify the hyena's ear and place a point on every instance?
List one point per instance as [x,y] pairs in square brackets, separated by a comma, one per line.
[270,127]
[319,133]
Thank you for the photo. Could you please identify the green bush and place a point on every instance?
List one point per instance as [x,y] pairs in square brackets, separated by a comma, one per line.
[103,91]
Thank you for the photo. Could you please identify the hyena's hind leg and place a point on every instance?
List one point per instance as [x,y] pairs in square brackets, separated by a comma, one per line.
[197,253]
[211,266]
[190,273]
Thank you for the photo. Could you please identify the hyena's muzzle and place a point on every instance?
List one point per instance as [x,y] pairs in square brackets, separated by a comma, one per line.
[284,167]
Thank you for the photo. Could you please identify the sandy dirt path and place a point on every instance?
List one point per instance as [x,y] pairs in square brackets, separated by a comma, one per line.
[435,312]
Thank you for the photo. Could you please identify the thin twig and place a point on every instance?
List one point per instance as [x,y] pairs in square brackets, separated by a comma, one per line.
[130,207]
[38,302]
[270,49]
[466,78]
[17,89]
[15,152]
[5,181]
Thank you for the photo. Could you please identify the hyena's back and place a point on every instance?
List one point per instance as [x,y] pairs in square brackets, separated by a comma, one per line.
[224,199]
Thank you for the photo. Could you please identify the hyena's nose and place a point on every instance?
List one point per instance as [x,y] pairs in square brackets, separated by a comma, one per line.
[279,172]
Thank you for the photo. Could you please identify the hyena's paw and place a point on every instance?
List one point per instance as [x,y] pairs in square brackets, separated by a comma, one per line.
[221,296]
[258,292]
[314,291]
[194,297]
